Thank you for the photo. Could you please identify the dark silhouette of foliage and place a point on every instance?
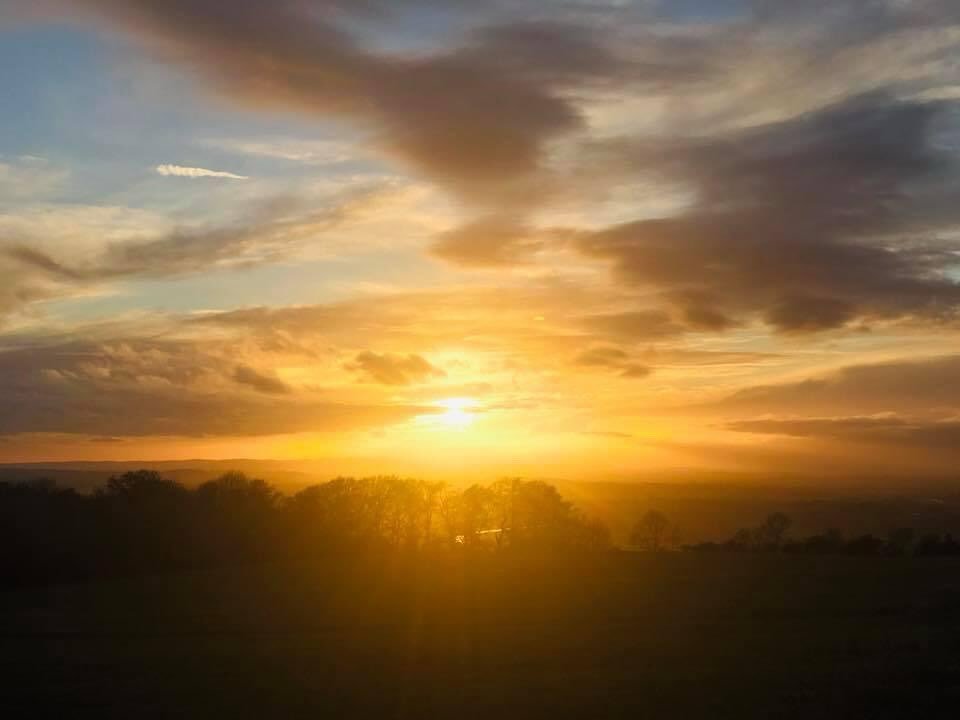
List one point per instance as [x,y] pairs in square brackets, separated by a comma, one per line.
[142,522]
[650,532]
[770,537]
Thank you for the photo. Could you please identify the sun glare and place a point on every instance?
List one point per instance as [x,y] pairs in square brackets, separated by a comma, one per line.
[457,412]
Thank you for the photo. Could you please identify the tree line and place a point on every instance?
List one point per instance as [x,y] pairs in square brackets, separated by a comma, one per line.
[772,535]
[143,522]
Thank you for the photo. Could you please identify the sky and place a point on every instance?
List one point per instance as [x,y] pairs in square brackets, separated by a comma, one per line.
[570,238]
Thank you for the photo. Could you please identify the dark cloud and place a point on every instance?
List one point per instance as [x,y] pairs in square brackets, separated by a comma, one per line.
[926,385]
[636,371]
[33,259]
[260,382]
[602,357]
[475,117]
[886,431]
[699,315]
[808,223]
[613,358]
[637,325]
[153,388]
[492,241]
[394,369]
[806,313]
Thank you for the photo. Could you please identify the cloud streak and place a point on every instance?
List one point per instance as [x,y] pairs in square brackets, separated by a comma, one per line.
[196,172]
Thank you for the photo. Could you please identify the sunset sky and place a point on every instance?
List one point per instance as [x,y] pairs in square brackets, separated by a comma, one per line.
[573,238]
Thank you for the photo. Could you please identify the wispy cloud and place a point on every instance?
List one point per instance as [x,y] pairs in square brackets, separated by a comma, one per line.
[195,172]
[137,244]
[394,370]
[308,152]
[29,177]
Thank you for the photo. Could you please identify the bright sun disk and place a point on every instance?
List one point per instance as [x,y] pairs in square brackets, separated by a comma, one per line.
[457,412]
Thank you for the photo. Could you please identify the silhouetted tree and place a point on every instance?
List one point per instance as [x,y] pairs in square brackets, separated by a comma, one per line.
[143,522]
[774,529]
[864,545]
[147,517]
[236,516]
[768,536]
[650,531]
[899,541]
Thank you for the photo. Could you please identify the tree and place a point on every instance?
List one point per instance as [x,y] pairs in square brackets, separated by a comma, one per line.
[774,529]
[650,531]
[145,488]
[900,540]
[236,516]
[144,522]
[145,517]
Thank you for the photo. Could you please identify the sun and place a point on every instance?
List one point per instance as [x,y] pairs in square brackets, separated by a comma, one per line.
[457,413]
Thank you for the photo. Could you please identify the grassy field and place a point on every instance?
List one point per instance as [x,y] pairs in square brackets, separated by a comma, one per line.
[677,635]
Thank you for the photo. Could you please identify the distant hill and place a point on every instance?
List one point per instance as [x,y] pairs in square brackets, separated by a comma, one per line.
[87,476]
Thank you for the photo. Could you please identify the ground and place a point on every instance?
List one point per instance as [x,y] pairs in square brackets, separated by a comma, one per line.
[629,635]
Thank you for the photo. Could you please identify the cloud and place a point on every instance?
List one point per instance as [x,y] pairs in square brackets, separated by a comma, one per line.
[137,388]
[491,241]
[196,172]
[260,382]
[475,117]
[613,358]
[394,369]
[34,266]
[29,177]
[531,325]
[812,209]
[636,371]
[923,385]
[530,319]
[803,223]
[884,431]
[602,357]
[639,325]
[687,357]
[308,152]
[809,223]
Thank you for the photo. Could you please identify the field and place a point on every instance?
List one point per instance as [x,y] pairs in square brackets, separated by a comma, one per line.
[479,636]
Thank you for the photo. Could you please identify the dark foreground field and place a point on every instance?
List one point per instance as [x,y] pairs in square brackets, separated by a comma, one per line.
[677,635]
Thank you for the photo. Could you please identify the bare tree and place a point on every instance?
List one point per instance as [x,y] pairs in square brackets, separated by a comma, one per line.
[650,532]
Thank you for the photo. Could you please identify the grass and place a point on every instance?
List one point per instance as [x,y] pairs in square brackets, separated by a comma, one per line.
[678,635]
